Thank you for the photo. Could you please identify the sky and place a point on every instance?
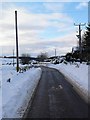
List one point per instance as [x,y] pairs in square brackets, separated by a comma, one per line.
[42,26]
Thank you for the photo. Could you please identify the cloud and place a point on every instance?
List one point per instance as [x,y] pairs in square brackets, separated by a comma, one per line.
[82,5]
[31,27]
[54,7]
[62,44]
[34,46]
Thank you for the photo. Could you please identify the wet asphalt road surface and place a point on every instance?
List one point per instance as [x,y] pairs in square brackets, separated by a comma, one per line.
[56,98]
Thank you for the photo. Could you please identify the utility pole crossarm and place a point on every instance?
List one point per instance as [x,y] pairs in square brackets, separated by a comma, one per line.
[80,24]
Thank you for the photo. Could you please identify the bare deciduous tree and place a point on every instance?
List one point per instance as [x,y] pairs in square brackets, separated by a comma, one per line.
[25,58]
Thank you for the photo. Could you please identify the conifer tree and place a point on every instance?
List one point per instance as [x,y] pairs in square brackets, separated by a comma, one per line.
[86,40]
[86,43]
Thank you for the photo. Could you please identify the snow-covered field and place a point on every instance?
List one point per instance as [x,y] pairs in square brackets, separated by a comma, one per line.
[77,75]
[16,93]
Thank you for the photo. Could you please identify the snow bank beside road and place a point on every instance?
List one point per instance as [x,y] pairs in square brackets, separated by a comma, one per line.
[17,93]
[77,76]
[0,103]
[0,91]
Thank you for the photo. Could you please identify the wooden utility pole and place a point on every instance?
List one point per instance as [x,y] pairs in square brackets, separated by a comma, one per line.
[13,57]
[79,36]
[17,57]
[55,52]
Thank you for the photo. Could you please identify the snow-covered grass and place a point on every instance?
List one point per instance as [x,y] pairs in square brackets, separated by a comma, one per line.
[76,73]
[17,93]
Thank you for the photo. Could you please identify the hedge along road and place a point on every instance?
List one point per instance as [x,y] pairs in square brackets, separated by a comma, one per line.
[56,98]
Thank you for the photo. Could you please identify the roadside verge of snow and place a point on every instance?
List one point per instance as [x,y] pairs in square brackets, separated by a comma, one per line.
[0,91]
[20,91]
[80,87]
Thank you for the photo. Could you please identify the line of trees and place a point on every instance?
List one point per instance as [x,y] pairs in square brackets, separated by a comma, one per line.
[25,58]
